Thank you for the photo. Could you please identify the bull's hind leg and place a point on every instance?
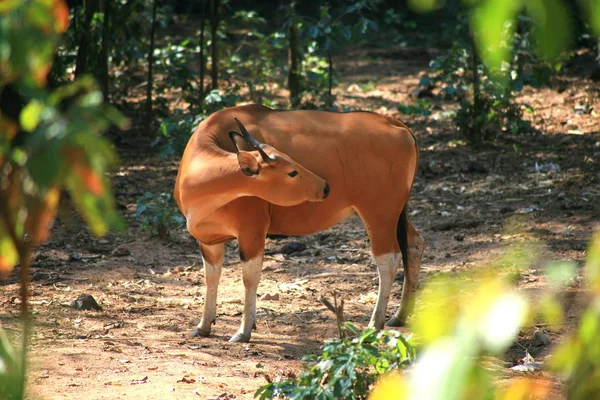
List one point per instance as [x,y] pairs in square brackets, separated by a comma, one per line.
[416,245]
[212,258]
[385,250]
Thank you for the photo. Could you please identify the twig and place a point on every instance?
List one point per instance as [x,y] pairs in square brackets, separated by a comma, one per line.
[330,274]
[337,309]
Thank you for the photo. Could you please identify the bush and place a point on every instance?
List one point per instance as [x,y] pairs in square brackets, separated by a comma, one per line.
[486,105]
[347,368]
[158,214]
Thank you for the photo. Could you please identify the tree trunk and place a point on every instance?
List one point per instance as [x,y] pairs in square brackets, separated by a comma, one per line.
[202,61]
[294,73]
[104,49]
[214,25]
[475,136]
[81,63]
[150,65]
[330,61]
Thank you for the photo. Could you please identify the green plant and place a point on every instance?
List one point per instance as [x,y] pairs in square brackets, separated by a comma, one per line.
[485,99]
[346,368]
[423,107]
[158,214]
[50,141]
[12,369]
[175,131]
[578,358]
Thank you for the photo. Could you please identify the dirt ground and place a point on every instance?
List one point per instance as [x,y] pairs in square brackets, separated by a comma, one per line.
[470,206]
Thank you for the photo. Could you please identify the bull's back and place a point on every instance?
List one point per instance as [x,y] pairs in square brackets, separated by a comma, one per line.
[369,160]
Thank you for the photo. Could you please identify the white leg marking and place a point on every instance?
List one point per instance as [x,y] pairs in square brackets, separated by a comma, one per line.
[212,274]
[387,265]
[251,271]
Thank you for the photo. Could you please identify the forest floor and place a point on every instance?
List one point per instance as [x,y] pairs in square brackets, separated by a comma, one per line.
[470,206]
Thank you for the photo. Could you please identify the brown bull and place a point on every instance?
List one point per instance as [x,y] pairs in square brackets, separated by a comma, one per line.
[299,172]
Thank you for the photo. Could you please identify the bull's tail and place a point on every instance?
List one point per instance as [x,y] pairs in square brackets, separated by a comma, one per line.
[402,235]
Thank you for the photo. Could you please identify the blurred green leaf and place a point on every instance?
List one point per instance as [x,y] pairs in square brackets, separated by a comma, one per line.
[12,375]
[493,22]
[426,5]
[551,310]
[44,165]
[501,322]
[560,273]
[30,115]
[8,253]
[8,5]
[553,26]
[592,265]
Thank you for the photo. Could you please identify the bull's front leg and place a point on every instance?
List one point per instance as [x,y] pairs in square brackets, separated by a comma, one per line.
[416,245]
[212,258]
[251,253]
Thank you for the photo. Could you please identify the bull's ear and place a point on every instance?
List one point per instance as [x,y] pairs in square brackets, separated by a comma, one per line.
[248,163]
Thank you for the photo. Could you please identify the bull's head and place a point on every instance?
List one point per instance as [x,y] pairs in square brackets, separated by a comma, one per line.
[282,180]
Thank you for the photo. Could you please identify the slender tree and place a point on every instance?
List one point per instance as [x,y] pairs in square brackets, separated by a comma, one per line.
[294,71]
[214,25]
[104,49]
[201,53]
[81,63]
[150,65]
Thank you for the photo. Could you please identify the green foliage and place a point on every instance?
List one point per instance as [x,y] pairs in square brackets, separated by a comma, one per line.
[346,368]
[578,358]
[12,371]
[175,131]
[486,102]
[423,107]
[61,146]
[158,214]
[50,144]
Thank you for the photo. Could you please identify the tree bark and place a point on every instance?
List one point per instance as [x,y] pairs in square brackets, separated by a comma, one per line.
[150,65]
[104,49]
[214,25]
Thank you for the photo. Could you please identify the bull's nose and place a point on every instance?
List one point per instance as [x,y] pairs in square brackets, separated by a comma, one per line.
[326,191]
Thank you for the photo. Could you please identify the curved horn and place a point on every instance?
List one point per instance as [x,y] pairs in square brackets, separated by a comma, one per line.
[232,135]
[251,141]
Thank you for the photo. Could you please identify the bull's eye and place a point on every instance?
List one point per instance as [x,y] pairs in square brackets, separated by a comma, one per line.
[293,174]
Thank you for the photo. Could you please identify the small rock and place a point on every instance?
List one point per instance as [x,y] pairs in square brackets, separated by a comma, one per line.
[477,167]
[527,367]
[85,302]
[540,338]
[459,237]
[292,247]
[121,252]
[74,256]
[269,296]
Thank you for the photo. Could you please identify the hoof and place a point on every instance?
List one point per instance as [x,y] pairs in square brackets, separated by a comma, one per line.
[240,338]
[395,322]
[199,333]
